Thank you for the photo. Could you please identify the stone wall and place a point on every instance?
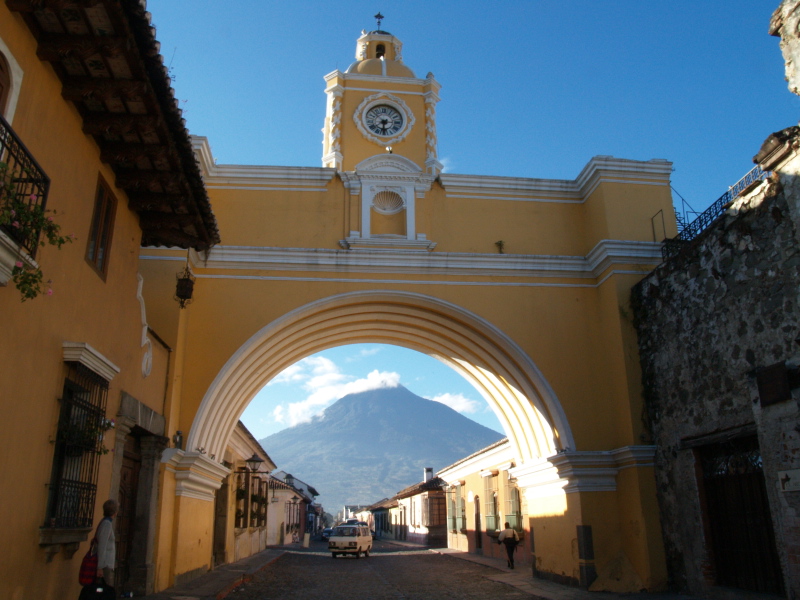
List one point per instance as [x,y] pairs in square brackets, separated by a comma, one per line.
[709,321]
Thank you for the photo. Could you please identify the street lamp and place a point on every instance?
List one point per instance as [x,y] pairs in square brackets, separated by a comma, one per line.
[254,462]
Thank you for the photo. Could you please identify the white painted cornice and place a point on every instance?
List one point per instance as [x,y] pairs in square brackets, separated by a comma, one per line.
[90,358]
[599,169]
[383,244]
[482,461]
[10,253]
[608,168]
[253,176]
[518,187]
[377,78]
[196,475]
[388,260]
[586,471]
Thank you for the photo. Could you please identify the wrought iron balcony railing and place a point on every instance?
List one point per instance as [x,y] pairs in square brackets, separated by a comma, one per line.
[688,231]
[23,185]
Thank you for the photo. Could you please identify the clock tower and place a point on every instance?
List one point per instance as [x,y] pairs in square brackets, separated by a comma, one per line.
[380,135]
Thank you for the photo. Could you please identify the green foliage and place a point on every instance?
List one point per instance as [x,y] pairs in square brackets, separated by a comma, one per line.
[28,222]
[85,436]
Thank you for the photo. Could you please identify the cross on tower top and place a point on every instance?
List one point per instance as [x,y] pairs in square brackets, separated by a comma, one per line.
[379,17]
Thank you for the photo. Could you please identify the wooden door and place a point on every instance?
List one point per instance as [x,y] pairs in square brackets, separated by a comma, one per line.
[126,517]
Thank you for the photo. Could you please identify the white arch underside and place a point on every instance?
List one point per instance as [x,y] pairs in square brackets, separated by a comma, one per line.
[525,404]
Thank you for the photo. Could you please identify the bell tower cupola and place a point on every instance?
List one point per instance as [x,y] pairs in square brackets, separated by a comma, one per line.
[379,104]
[380,135]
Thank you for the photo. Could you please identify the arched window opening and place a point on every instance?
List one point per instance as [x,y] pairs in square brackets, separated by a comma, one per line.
[5,84]
[380,51]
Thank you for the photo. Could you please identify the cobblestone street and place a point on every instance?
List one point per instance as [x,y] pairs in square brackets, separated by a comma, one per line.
[390,572]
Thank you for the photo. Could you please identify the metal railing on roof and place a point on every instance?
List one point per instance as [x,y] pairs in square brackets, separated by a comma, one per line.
[689,231]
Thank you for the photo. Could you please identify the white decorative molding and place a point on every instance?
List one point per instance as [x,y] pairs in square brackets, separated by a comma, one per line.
[147,359]
[258,177]
[501,452]
[585,471]
[10,253]
[354,243]
[600,169]
[393,257]
[16,73]
[634,456]
[389,200]
[196,475]
[538,479]
[396,80]
[393,101]
[388,172]
[608,168]
[89,358]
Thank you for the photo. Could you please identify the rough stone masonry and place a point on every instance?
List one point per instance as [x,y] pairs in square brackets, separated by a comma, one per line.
[719,339]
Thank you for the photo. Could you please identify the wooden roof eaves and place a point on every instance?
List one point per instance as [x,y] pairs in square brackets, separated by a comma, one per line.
[135,40]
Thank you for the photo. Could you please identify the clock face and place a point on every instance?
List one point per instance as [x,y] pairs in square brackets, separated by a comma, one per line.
[383,120]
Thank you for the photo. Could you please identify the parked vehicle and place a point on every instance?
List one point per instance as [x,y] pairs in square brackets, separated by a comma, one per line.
[350,539]
[326,533]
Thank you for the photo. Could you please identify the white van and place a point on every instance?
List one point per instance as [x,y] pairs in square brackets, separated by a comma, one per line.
[350,539]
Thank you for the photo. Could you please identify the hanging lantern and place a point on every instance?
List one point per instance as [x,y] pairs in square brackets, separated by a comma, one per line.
[185,286]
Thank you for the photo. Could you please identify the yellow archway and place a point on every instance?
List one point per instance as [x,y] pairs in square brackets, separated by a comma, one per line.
[526,405]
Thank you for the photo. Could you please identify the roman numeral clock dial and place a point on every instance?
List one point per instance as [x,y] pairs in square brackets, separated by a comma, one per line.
[383,120]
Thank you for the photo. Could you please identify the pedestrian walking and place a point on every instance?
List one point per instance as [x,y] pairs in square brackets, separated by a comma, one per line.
[510,538]
[103,587]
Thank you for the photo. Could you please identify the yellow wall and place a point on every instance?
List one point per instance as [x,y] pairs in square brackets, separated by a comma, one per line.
[83,308]
[576,329]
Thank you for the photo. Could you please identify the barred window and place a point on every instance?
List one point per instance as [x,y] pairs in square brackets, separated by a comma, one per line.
[462,502]
[490,506]
[452,515]
[82,424]
[513,506]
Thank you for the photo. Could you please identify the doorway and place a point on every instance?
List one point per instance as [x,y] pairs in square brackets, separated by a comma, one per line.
[126,517]
[478,526]
[737,517]
[221,522]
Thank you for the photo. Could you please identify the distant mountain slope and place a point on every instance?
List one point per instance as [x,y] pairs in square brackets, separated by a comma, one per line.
[370,445]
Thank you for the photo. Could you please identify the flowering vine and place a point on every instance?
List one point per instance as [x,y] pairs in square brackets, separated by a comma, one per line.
[27,220]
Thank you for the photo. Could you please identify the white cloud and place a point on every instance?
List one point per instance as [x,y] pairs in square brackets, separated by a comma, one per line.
[458,402]
[291,374]
[325,384]
[364,353]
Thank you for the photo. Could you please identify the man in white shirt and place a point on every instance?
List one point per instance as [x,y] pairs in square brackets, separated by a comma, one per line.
[510,538]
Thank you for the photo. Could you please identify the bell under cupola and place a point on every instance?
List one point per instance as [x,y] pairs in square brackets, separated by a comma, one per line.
[379,53]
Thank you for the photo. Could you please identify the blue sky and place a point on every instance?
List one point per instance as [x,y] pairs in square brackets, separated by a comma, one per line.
[532,88]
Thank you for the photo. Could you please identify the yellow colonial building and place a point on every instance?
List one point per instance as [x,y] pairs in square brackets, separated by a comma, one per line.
[520,285]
